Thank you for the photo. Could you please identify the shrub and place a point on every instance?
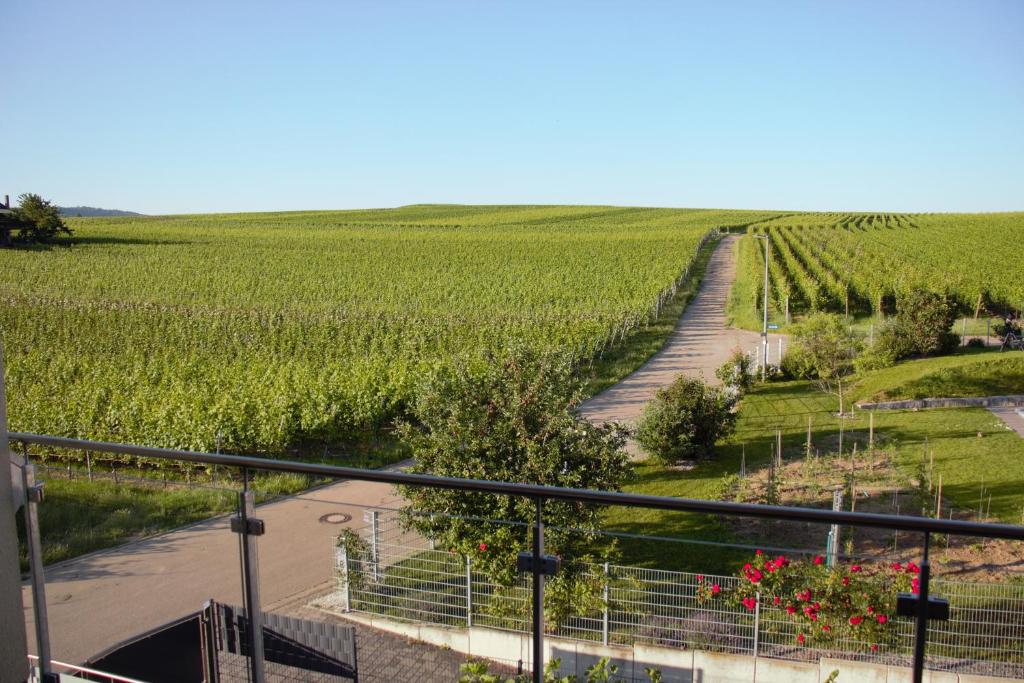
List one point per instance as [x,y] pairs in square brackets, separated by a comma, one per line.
[684,421]
[926,319]
[737,371]
[847,602]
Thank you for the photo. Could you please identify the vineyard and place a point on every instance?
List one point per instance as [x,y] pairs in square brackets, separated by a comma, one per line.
[267,332]
[860,263]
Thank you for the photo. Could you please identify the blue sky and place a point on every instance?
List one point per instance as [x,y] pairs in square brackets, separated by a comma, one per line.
[205,106]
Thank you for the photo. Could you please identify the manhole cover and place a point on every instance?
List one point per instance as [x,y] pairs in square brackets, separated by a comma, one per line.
[335,518]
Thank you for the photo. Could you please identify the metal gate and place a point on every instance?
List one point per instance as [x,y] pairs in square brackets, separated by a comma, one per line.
[293,649]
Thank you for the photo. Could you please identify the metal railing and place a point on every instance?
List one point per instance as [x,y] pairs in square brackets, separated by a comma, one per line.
[248,528]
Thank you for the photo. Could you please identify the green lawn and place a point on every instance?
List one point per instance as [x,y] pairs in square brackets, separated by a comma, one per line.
[971,372]
[963,458]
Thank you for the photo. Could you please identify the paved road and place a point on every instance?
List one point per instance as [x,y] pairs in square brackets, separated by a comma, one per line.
[700,344]
[1013,417]
[103,598]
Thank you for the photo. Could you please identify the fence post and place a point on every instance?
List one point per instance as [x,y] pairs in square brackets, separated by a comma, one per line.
[469,592]
[373,517]
[346,586]
[604,613]
[757,621]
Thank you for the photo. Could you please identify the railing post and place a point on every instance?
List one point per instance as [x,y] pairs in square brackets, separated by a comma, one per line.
[921,627]
[33,497]
[604,613]
[757,622]
[248,527]
[538,593]
[469,592]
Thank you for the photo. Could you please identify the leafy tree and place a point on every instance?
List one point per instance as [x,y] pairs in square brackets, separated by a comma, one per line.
[685,419]
[512,419]
[38,219]
[822,349]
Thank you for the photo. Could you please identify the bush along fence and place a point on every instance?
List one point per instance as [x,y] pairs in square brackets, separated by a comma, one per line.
[776,606]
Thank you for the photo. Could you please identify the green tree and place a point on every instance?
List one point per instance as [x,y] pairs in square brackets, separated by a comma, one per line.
[512,419]
[38,219]
[822,349]
[684,420]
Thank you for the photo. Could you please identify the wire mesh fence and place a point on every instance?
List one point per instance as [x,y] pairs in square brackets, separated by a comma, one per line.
[399,574]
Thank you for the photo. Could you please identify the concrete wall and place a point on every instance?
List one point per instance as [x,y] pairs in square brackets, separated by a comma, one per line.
[676,665]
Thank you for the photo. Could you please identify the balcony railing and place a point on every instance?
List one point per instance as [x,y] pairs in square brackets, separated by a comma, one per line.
[663,594]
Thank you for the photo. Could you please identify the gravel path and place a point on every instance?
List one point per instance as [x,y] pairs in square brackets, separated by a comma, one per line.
[700,344]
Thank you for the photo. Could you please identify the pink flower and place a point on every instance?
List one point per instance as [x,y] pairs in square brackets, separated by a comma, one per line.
[846,580]
[882,618]
[800,639]
[769,566]
[826,628]
[790,609]
[871,610]
[483,547]
[776,600]
[915,585]
[817,606]
[715,589]
[759,552]
[818,559]
[805,595]
[855,568]
[874,648]
[750,603]
[913,568]
[700,578]
[855,621]
[746,567]
[896,566]
[781,561]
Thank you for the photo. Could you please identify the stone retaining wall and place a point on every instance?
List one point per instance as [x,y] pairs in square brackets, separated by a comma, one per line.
[921,403]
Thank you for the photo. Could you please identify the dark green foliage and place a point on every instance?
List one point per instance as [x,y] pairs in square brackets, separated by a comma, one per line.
[684,421]
[512,418]
[922,327]
[38,219]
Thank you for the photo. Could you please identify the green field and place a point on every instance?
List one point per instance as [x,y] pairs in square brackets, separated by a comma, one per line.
[276,333]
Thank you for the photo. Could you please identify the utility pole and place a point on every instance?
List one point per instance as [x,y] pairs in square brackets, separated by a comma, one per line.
[764,328]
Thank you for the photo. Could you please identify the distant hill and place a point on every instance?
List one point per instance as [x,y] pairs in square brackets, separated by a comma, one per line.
[93,211]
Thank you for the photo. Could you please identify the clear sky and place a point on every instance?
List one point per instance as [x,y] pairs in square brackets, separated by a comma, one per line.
[215,105]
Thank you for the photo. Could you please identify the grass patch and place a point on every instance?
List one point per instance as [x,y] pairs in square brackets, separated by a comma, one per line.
[622,361]
[963,458]
[970,372]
